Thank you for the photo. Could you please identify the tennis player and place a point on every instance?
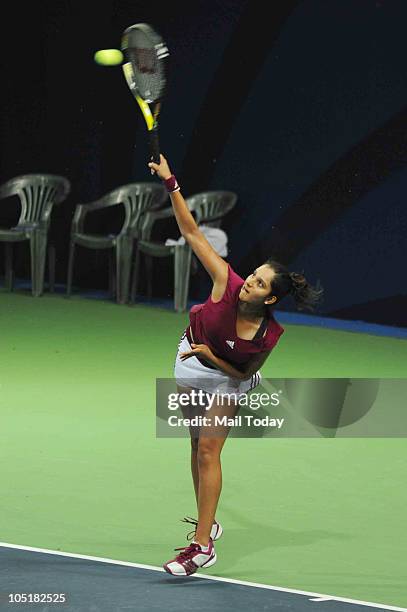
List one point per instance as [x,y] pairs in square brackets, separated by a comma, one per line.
[229,338]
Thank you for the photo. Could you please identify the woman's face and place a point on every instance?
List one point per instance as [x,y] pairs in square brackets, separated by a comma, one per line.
[258,286]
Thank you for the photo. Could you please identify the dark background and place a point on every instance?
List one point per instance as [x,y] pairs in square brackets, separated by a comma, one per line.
[301,109]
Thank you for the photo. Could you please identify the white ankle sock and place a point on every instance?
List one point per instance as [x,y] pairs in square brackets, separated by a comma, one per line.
[203,548]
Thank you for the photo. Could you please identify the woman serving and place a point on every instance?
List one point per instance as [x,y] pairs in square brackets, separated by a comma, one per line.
[229,338]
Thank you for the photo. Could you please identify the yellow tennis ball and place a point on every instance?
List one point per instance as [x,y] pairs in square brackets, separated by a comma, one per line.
[108,57]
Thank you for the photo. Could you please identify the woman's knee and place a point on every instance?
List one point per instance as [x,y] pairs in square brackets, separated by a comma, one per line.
[209,450]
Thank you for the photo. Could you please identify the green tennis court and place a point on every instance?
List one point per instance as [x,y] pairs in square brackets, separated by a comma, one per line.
[83,471]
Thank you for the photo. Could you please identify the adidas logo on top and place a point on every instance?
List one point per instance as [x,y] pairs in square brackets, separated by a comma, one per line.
[231,343]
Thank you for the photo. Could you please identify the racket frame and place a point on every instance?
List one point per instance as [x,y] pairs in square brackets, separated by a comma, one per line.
[150,108]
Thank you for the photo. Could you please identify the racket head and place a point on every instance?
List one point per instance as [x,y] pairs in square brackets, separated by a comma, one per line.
[146,59]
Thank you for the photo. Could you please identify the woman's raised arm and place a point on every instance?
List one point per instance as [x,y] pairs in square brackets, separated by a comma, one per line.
[216,267]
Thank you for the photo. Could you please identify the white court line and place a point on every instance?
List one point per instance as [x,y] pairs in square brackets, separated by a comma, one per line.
[317,596]
[321,599]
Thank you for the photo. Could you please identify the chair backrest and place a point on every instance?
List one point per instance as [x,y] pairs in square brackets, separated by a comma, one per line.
[137,198]
[38,193]
[211,206]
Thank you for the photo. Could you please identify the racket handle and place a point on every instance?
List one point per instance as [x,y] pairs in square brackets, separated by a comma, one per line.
[154,145]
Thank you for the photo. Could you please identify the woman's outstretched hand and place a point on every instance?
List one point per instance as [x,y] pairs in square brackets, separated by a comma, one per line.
[162,169]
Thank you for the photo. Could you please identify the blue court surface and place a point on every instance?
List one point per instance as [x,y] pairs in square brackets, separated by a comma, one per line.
[77,583]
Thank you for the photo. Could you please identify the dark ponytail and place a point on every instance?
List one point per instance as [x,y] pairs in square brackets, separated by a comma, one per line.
[306,297]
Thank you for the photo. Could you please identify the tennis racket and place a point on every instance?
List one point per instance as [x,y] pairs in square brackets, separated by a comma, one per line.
[145,68]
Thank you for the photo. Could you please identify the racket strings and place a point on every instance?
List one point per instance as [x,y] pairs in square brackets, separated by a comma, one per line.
[148,72]
[146,60]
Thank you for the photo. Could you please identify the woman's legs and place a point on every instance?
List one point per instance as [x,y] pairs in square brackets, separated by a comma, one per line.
[210,485]
[187,412]
[205,462]
[212,438]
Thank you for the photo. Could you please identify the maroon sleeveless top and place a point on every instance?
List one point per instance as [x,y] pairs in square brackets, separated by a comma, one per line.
[214,324]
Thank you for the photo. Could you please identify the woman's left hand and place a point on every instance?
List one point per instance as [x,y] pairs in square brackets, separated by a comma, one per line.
[202,350]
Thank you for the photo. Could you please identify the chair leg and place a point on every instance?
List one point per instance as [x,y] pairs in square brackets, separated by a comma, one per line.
[9,273]
[70,269]
[112,274]
[38,246]
[134,282]
[149,273]
[182,269]
[51,268]
[124,248]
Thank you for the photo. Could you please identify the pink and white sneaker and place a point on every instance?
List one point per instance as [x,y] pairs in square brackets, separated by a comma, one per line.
[216,530]
[190,559]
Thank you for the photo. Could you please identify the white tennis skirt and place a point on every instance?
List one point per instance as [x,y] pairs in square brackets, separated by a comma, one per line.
[193,374]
